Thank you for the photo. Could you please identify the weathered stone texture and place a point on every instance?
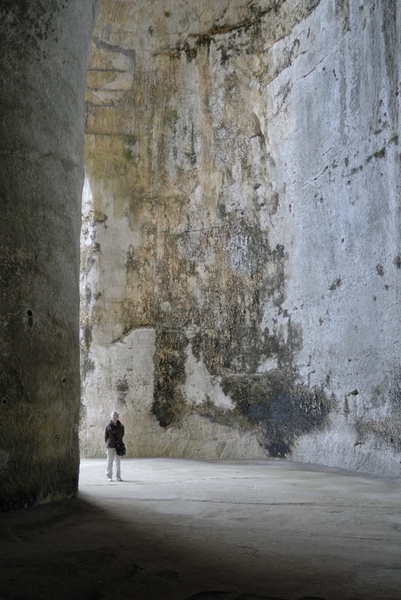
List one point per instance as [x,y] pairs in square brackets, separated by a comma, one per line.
[43,61]
[242,215]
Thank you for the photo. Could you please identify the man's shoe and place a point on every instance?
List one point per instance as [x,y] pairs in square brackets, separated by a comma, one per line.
[109,480]
[119,479]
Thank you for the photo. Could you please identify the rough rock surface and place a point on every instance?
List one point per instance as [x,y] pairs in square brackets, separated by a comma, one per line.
[241,261]
[43,61]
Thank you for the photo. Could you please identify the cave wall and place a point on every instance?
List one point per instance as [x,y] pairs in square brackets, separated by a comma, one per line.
[241,261]
[43,61]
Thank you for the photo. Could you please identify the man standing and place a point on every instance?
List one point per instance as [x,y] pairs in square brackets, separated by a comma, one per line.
[113,435]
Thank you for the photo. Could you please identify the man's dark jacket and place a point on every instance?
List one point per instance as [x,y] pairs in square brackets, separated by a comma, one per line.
[114,434]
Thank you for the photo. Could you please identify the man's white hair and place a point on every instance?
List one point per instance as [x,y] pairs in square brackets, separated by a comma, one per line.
[115,412]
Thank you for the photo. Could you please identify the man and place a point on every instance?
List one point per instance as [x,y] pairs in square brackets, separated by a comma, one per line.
[113,435]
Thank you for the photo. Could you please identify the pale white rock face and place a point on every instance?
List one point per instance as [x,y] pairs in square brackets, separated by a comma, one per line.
[240,241]
[200,386]
[122,379]
[341,210]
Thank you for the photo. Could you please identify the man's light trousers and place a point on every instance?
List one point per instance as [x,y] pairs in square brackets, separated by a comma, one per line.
[112,457]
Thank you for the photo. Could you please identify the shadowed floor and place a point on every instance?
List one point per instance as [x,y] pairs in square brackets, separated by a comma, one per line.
[179,529]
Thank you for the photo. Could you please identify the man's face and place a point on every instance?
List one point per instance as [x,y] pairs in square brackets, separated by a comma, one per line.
[115,417]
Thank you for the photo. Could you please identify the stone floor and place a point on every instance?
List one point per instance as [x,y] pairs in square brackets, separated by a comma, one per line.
[186,529]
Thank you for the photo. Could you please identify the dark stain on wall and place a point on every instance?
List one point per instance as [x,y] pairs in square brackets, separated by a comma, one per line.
[122,389]
[386,429]
[343,11]
[208,278]
[250,32]
[226,330]
[278,407]
[168,403]
[27,24]
[272,404]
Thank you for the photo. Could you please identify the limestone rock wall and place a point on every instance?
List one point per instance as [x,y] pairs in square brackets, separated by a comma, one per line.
[43,62]
[241,260]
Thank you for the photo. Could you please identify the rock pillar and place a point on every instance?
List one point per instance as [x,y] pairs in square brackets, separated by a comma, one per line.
[43,62]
